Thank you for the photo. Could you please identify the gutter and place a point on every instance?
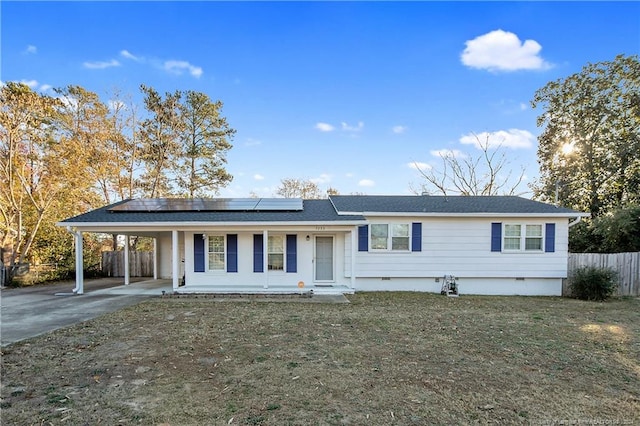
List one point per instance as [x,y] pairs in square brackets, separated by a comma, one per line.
[575,221]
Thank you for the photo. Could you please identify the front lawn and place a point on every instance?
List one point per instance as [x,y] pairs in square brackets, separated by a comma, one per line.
[385,358]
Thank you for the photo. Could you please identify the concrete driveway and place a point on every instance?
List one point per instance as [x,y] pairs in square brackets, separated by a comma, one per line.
[32,311]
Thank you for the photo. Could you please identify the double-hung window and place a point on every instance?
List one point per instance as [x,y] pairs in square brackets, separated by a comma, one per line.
[276,252]
[390,236]
[523,237]
[216,253]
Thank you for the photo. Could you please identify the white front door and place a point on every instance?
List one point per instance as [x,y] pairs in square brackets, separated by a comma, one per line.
[324,258]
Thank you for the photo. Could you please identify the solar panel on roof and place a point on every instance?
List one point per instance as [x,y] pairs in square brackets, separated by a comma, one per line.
[209,204]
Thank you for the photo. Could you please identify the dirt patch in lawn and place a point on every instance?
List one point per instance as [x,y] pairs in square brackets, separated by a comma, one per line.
[385,358]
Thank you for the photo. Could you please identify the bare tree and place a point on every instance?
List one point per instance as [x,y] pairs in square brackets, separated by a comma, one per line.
[485,173]
[299,188]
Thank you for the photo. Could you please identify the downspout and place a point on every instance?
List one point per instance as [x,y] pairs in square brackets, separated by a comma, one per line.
[575,222]
[79,288]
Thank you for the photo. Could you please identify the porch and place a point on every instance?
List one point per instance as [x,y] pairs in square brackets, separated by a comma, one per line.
[157,287]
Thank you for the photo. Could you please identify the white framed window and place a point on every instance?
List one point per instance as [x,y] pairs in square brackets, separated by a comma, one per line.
[216,254]
[390,237]
[520,237]
[275,253]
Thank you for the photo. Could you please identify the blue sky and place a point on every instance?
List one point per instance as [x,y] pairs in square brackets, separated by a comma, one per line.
[351,95]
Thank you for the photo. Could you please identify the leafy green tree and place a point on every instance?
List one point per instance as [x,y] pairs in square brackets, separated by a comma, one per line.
[160,141]
[594,115]
[205,139]
[615,232]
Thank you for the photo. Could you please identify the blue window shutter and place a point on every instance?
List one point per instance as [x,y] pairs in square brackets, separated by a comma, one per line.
[258,253]
[496,236]
[363,238]
[198,253]
[416,236]
[550,238]
[292,253]
[232,253]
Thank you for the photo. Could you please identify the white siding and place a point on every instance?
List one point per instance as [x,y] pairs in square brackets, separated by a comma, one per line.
[486,286]
[246,278]
[462,247]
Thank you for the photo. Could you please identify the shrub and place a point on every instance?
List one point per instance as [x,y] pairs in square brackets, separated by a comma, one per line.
[593,283]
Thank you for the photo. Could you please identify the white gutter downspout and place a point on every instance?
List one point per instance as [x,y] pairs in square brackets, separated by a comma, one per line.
[575,222]
[79,289]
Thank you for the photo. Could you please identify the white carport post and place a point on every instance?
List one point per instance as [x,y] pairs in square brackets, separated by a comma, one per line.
[265,257]
[155,258]
[354,243]
[127,273]
[175,270]
[79,263]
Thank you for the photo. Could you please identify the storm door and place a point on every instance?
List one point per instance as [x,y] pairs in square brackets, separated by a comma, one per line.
[324,258]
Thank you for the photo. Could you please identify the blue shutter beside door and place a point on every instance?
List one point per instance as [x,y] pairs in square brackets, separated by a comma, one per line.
[292,255]
[496,236]
[198,253]
[363,238]
[416,236]
[232,253]
[550,238]
[258,253]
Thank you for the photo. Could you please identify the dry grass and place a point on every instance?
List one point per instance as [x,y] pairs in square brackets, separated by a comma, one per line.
[386,358]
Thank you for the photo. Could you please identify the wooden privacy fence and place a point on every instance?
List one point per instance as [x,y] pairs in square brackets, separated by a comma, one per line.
[140,263]
[627,265]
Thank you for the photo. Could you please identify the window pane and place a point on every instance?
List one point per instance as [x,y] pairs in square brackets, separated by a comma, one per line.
[400,243]
[533,244]
[276,244]
[216,261]
[378,243]
[276,262]
[512,230]
[379,231]
[512,243]
[216,243]
[534,230]
[400,230]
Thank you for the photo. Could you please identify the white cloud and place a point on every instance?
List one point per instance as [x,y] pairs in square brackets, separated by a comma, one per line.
[177,67]
[324,127]
[416,165]
[322,179]
[447,153]
[258,177]
[523,106]
[99,65]
[252,142]
[31,50]
[129,55]
[512,138]
[348,128]
[366,182]
[31,83]
[45,87]
[349,175]
[399,129]
[503,51]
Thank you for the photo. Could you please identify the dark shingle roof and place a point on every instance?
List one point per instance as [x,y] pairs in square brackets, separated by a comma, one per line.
[441,204]
[313,211]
